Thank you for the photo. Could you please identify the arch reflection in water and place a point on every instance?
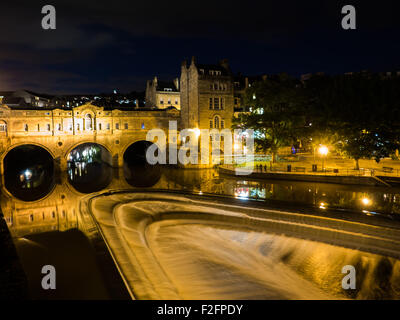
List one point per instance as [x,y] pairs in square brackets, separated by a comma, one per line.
[137,171]
[89,168]
[28,172]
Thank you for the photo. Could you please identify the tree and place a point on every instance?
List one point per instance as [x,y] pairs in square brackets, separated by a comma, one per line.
[276,115]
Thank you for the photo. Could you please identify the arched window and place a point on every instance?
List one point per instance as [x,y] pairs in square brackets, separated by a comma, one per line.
[88,122]
[3,126]
[216,122]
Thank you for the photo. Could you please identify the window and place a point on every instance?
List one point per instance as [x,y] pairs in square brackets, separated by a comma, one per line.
[216,122]
[48,127]
[3,127]
[126,126]
[31,217]
[176,101]
[88,122]
[216,103]
[161,101]
[236,101]
[169,101]
[78,127]
[215,86]
[117,126]
[38,127]
[26,127]
[211,124]
[222,103]
[142,125]
[59,127]
[222,124]
[211,103]
[99,126]
[108,126]
[211,86]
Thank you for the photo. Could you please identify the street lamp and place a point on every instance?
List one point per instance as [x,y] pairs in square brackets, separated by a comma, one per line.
[323,151]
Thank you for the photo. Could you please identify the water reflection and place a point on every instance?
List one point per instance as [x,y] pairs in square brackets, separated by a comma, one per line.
[28,172]
[89,168]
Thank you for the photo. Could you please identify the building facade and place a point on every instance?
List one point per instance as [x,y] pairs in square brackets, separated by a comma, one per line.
[162,94]
[207,95]
[59,131]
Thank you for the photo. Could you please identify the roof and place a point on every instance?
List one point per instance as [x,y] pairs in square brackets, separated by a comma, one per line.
[214,67]
[162,85]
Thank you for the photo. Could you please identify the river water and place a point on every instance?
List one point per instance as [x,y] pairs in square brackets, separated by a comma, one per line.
[52,221]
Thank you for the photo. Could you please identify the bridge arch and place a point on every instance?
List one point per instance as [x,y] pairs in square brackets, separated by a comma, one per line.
[82,142]
[20,144]
[28,171]
[138,146]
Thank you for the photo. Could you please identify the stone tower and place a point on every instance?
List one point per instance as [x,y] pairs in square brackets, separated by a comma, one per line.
[207,98]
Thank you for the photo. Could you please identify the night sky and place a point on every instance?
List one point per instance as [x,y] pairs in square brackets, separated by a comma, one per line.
[99,46]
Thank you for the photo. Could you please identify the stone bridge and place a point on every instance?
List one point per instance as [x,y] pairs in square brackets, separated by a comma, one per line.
[59,131]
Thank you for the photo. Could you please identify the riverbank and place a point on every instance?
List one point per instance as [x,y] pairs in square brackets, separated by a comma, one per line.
[14,285]
[305,177]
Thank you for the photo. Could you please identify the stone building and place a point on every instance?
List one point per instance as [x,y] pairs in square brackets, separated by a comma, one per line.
[207,95]
[163,94]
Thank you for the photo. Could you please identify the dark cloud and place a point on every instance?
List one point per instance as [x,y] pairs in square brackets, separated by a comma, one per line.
[101,45]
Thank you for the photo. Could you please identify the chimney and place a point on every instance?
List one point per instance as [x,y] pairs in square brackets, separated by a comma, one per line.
[225,64]
[176,83]
[155,81]
[184,64]
[193,60]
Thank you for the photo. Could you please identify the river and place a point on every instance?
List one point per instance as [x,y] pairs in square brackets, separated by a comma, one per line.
[56,218]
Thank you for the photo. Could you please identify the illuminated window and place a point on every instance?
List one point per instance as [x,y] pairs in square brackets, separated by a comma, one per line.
[216,122]
[3,127]
[143,125]
[108,126]
[88,122]
[216,103]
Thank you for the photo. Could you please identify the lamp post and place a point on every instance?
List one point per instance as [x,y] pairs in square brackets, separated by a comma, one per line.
[323,151]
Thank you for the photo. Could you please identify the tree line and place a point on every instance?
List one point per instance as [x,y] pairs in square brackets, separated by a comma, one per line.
[357,115]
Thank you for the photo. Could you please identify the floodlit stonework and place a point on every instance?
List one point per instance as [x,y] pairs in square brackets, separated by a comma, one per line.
[59,131]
